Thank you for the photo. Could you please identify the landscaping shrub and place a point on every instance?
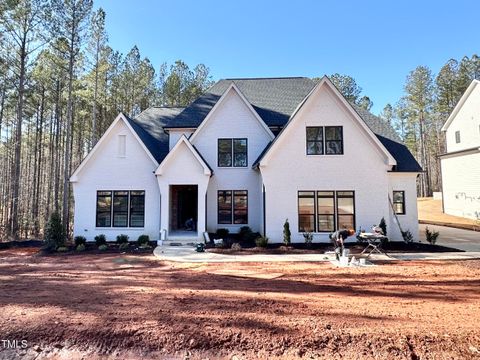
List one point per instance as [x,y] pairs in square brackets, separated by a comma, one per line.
[262,241]
[245,233]
[308,236]
[407,236]
[80,240]
[431,236]
[143,239]
[286,233]
[80,247]
[100,240]
[236,247]
[123,245]
[103,247]
[54,233]
[222,233]
[122,239]
[383,226]
[62,249]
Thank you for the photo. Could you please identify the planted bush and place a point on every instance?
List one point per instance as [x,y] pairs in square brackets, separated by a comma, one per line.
[122,239]
[54,233]
[103,247]
[431,236]
[100,240]
[80,247]
[143,240]
[123,246]
[262,241]
[308,236]
[62,249]
[236,247]
[222,233]
[80,240]
[286,233]
[407,236]
[383,226]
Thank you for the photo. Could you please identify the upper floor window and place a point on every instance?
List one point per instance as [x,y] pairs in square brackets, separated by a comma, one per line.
[324,140]
[457,137]
[399,202]
[232,153]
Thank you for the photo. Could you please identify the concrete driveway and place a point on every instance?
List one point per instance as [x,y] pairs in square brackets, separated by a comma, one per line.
[456,238]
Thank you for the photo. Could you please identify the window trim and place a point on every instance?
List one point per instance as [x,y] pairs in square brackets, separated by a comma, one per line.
[396,202]
[232,208]
[335,204]
[232,153]
[111,225]
[325,139]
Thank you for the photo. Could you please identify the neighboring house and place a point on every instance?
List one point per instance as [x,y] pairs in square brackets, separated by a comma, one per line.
[461,163]
[249,152]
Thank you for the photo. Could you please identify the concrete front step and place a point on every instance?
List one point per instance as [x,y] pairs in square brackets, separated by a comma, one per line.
[180,242]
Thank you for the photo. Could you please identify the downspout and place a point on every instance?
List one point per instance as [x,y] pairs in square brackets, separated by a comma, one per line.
[264,212]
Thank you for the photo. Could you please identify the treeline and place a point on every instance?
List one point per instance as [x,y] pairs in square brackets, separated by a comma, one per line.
[420,113]
[61,86]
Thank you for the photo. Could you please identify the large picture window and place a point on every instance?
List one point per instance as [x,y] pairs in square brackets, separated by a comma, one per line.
[232,207]
[399,202]
[326,211]
[326,140]
[232,153]
[120,208]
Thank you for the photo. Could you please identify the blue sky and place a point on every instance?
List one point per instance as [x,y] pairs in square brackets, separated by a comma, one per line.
[376,42]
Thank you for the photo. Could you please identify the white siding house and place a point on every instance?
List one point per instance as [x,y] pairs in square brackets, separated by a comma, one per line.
[250,152]
[461,163]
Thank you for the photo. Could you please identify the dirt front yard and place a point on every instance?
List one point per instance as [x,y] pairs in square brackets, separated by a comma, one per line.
[92,306]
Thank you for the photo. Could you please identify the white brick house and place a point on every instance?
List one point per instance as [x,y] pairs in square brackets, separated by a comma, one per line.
[250,152]
[460,165]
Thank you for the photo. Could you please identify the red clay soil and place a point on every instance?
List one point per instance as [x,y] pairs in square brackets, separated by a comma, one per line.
[112,306]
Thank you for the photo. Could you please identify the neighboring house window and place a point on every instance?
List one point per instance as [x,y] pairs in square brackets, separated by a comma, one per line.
[232,152]
[122,145]
[333,140]
[457,137]
[325,211]
[232,207]
[120,208]
[315,140]
[104,209]
[324,140]
[399,202]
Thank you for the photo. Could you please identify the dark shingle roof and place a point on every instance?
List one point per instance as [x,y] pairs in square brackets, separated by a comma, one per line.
[149,127]
[275,100]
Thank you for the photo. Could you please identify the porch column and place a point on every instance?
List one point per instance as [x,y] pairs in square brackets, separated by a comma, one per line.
[201,224]
[164,207]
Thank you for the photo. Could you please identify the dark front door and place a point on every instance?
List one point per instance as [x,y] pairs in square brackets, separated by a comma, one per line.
[184,204]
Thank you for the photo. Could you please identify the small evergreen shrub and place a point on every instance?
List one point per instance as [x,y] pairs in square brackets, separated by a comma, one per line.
[145,246]
[143,239]
[286,233]
[54,233]
[80,247]
[236,247]
[103,247]
[100,240]
[62,249]
[431,236]
[308,236]
[222,233]
[80,240]
[383,226]
[123,246]
[262,241]
[122,239]
[245,233]
[407,236]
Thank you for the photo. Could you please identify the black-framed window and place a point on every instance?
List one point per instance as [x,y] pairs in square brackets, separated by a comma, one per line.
[333,140]
[137,208]
[399,202]
[314,140]
[232,207]
[104,209]
[120,208]
[306,211]
[326,211]
[324,140]
[345,210]
[457,137]
[233,152]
